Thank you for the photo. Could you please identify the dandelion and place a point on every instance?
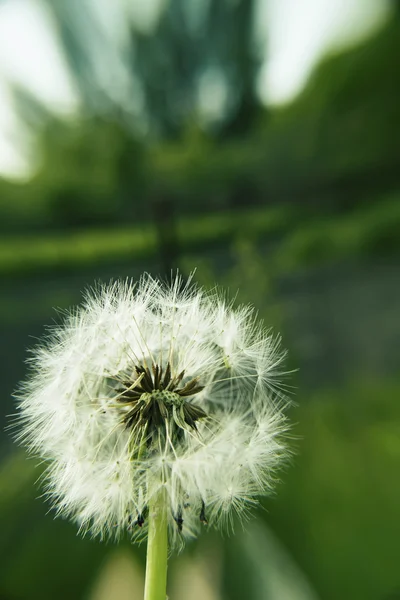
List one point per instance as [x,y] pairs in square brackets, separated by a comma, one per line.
[157,409]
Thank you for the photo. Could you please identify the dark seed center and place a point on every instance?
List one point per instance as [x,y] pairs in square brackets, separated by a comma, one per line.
[157,397]
[158,400]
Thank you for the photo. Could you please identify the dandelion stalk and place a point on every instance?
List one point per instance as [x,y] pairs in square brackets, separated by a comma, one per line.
[157,549]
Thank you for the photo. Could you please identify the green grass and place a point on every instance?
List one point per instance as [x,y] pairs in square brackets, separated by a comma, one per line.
[70,251]
[337,507]
[220,227]
[304,239]
[371,230]
[46,252]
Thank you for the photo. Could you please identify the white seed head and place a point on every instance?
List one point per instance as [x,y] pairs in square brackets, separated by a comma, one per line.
[150,386]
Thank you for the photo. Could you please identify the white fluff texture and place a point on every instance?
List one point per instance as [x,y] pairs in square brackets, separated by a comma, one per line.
[151,385]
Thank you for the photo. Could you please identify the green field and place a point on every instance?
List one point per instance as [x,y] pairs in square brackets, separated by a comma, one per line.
[299,239]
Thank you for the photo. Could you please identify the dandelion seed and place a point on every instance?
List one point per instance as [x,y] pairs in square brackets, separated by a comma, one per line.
[152,390]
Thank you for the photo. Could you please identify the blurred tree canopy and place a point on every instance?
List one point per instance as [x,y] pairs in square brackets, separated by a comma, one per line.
[335,145]
[167,64]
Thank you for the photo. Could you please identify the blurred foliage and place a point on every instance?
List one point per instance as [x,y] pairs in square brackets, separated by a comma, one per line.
[208,41]
[333,147]
[89,174]
[337,509]
[256,197]
[211,42]
[360,234]
[248,280]
[54,562]
[29,253]
[293,239]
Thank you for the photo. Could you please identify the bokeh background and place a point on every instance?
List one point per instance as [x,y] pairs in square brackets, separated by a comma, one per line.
[258,142]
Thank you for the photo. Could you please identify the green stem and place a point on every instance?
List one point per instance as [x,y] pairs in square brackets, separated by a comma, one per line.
[155,587]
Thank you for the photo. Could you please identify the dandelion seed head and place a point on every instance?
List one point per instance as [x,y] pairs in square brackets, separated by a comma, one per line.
[151,386]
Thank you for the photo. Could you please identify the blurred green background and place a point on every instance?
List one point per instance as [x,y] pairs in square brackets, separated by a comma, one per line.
[184,142]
